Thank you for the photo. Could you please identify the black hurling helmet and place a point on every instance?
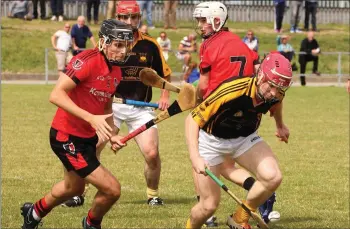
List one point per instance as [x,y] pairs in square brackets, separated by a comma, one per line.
[113,29]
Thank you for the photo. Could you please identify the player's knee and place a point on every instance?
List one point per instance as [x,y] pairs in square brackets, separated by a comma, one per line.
[152,158]
[272,179]
[209,207]
[113,191]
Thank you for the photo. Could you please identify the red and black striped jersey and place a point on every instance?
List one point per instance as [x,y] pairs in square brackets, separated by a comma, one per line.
[96,83]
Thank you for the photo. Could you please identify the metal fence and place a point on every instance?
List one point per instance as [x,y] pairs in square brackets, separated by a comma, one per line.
[336,73]
[243,11]
[324,3]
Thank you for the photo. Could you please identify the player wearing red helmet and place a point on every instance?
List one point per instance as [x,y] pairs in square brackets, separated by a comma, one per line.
[225,125]
[145,53]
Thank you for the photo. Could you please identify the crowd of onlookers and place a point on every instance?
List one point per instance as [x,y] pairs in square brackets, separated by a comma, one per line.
[28,10]
[309,52]
[74,39]
[296,5]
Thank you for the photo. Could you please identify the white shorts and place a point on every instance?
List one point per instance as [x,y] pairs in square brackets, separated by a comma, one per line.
[214,150]
[180,56]
[133,116]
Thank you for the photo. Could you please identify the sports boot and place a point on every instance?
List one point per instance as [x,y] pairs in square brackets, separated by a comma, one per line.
[76,201]
[267,208]
[232,224]
[87,226]
[155,201]
[27,213]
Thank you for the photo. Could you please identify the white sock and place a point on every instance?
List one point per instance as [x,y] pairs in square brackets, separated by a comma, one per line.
[35,216]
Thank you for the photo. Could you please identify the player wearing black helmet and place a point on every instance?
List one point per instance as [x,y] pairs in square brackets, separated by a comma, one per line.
[83,95]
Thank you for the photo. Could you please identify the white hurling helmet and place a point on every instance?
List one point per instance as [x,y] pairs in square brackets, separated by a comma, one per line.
[211,10]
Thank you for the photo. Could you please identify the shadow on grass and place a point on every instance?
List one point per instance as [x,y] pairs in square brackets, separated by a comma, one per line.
[184,200]
[284,222]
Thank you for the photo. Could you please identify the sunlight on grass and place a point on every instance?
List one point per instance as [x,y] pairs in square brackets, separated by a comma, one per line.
[315,165]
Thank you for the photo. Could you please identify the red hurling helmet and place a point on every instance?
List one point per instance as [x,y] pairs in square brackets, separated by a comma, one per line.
[127,7]
[277,71]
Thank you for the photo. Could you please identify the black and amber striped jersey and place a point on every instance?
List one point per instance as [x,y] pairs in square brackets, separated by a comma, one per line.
[144,54]
[229,112]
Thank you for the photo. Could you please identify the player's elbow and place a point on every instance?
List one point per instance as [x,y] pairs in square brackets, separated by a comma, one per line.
[54,97]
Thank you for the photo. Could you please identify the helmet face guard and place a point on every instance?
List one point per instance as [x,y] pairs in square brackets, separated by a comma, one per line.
[129,9]
[113,30]
[275,73]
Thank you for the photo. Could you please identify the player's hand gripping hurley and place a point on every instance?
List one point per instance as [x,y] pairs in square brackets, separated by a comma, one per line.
[254,215]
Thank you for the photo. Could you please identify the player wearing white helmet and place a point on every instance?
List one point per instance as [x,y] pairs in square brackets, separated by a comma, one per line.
[218,63]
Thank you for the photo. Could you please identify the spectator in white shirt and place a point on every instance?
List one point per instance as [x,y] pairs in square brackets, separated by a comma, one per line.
[187,46]
[165,44]
[62,42]
[251,41]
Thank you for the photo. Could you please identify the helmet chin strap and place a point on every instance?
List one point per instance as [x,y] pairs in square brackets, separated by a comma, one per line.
[261,96]
[206,36]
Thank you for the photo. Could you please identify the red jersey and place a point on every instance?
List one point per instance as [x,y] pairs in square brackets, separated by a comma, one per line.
[224,55]
[96,83]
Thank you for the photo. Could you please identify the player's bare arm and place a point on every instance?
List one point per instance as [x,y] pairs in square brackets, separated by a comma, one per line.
[282,131]
[203,84]
[59,97]
[164,96]
[256,68]
[192,134]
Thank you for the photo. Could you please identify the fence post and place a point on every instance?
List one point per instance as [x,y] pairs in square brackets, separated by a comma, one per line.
[46,66]
[339,69]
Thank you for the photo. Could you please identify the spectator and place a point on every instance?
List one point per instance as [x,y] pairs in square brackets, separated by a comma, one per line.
[309,46]
[286,49]
[348,86]
[61,41]
[170,14]
[295,17]
[57,10]
[96,4]
[147,5]
[165,44]
[111,9]
[80,33]
[192,73]
[251,41]
[144,29]
[310,8]
[20,9]
[186,47]
[42,9]
[280,5]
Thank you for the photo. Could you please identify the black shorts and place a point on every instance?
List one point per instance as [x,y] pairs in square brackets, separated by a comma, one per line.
[77,154]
